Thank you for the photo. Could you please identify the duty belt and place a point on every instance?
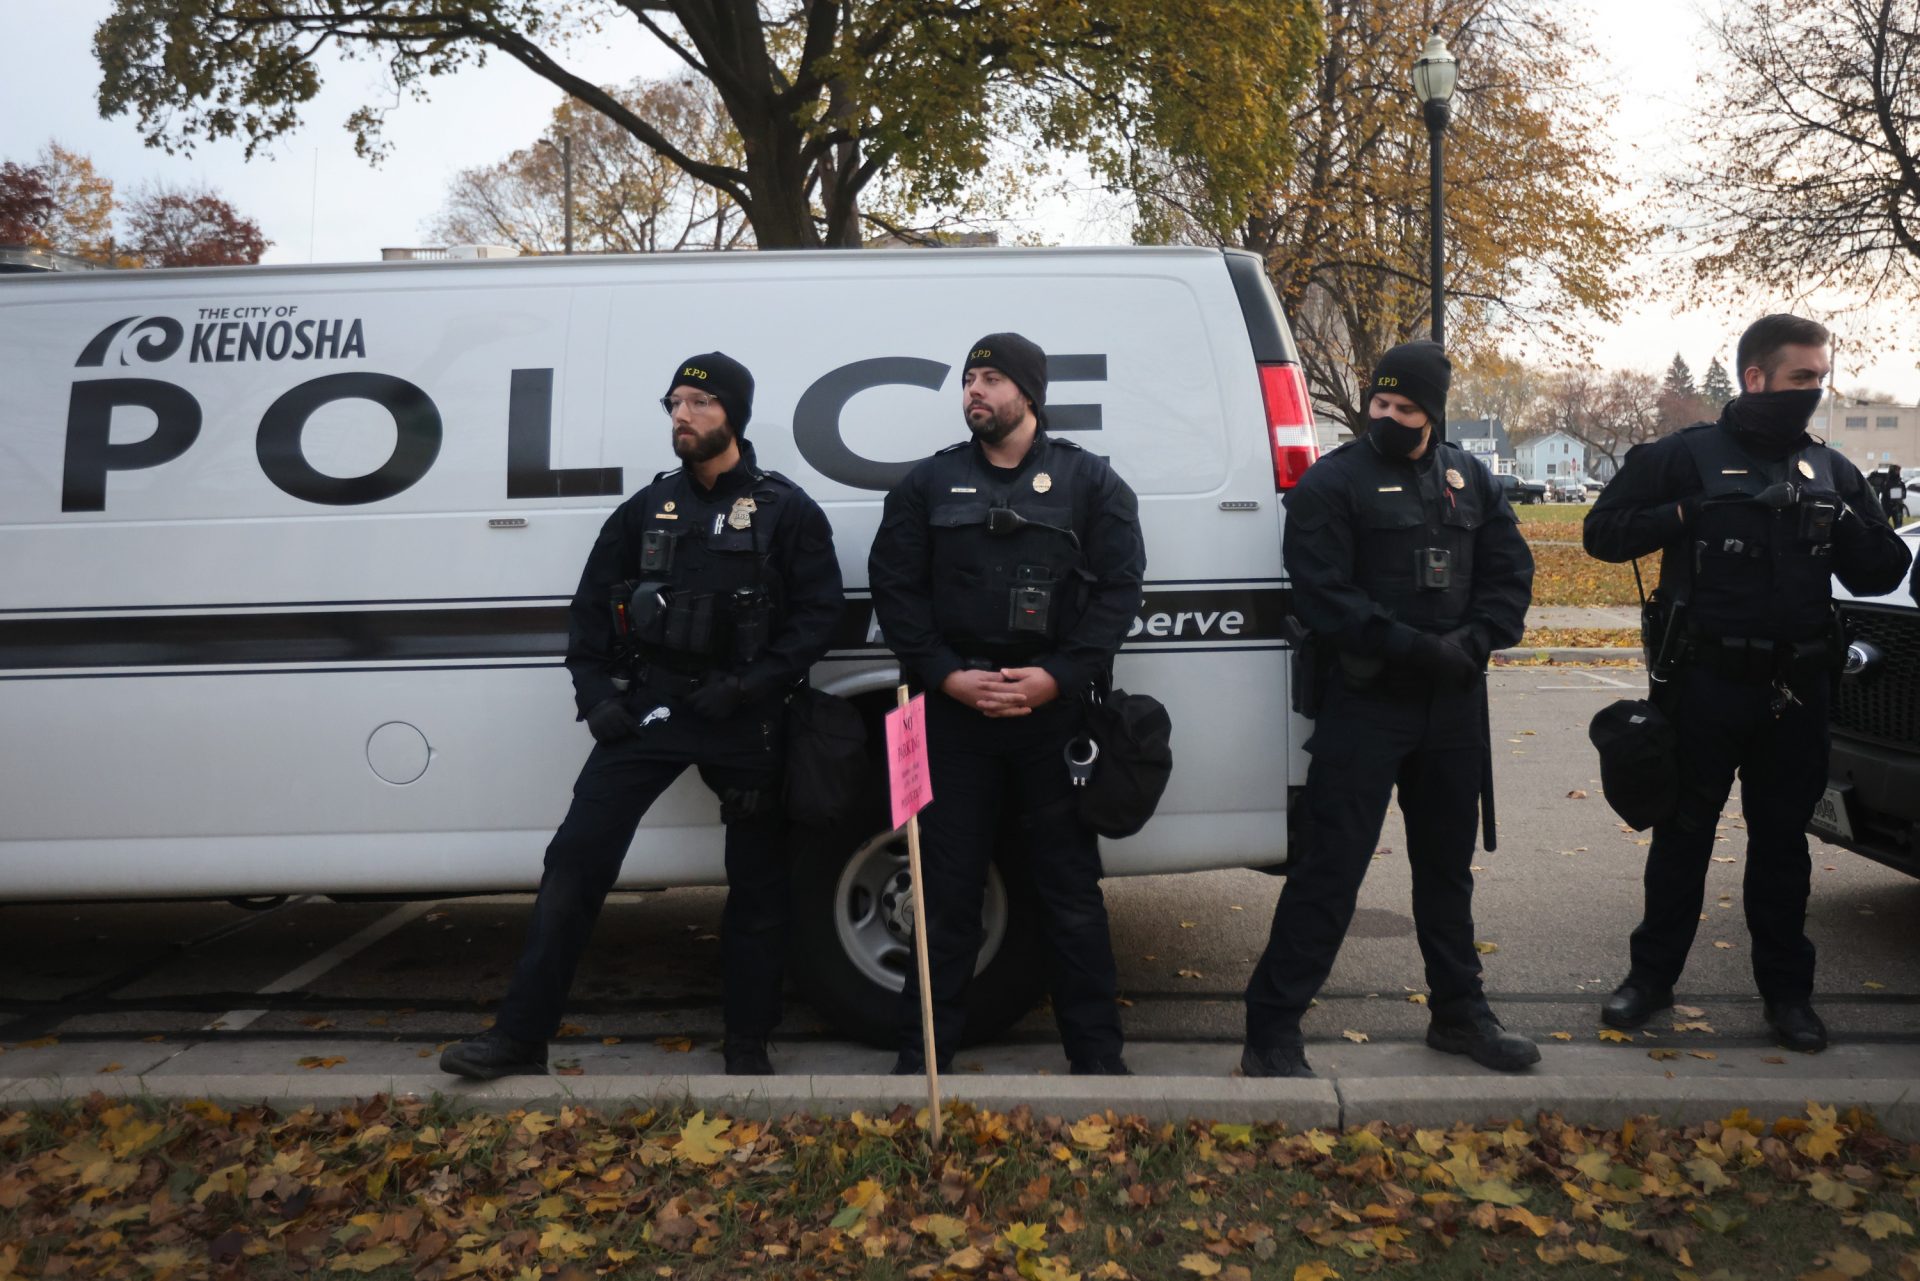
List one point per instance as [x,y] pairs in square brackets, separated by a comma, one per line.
[1761,661]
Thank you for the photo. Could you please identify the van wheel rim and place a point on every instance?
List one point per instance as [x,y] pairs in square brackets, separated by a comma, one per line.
[873,912]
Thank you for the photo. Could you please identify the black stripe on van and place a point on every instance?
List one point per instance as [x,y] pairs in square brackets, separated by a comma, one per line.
[295,636]
[1175,615]
[1266,324]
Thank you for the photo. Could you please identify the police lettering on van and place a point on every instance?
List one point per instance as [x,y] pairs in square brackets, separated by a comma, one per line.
[1242,615]
[255,336]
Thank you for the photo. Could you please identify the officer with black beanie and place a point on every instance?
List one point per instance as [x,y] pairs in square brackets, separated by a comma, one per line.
[707,596]
[1005,574]
[1019,359]
[725,379]
[1408,569]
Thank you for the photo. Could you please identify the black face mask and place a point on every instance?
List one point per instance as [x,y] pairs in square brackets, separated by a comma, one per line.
[1392,438]
[1778,416]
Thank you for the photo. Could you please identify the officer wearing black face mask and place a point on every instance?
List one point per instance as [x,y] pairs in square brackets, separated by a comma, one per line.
[1752,518]
[708,595]
[1005,574]
[1408,569]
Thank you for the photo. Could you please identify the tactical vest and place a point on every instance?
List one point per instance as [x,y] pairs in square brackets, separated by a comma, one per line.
[702,590]
[1748,570]
[1414,535]
[1003,590]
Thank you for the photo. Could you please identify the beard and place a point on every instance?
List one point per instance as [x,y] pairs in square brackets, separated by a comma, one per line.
[995,425]
[702,446]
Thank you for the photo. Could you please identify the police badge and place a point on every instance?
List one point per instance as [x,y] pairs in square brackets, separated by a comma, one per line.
[741,517]
[1455,479]
[1042,483]
[1806,469]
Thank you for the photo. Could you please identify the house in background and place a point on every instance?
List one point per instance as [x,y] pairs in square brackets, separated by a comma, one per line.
[1554,456]
[1486,439]
[1870,434]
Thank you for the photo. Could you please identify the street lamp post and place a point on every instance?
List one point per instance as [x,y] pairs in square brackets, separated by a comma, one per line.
[565,148]
[1433,80]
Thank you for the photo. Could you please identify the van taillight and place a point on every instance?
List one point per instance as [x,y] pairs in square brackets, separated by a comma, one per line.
[1289,422]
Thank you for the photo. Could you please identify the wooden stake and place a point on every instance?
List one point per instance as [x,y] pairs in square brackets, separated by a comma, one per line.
[920,961]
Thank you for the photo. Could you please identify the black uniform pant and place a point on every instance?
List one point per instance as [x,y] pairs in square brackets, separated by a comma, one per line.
[616,787]
[1431,745]
[1726,727]
[978,765]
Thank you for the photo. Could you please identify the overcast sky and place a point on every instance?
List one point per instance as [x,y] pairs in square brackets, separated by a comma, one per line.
[317,201]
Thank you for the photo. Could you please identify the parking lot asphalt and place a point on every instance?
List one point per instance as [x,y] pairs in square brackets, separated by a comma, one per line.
[135,995]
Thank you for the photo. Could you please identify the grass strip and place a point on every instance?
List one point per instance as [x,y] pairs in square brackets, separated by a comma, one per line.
[411,1189]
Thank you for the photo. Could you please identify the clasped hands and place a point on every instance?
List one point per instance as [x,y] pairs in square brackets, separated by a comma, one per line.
[1010,691]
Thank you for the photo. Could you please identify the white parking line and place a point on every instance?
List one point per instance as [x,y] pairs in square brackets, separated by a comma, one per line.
[1598,679]
[292,980]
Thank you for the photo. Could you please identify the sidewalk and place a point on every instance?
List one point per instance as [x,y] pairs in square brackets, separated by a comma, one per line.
[1585,1081]
[1627,616]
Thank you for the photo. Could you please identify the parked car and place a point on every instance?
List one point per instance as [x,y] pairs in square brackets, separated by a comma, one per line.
[1872,802]
[305,538]
[1566,490]
[1593,487]
[1521,490]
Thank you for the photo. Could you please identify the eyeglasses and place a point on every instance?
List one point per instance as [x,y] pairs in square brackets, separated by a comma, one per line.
[671,403]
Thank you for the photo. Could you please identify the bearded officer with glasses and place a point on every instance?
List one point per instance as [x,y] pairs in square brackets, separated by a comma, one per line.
[706,599]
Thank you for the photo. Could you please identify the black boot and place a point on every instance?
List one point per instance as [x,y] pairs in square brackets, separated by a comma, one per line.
[1633,1003]
[1111,1065]
[747,1058]
[491,1055]
[913,1063]
[1286,1061]
[1481,1038]
[1796,1027]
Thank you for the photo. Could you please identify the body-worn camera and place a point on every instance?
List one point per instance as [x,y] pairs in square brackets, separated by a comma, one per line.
[1817,516]
[1433,568]
[1030,609]
[657,547]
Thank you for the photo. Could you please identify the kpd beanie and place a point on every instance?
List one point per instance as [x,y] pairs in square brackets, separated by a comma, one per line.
[1019,359]
[722,377]
[1419,371]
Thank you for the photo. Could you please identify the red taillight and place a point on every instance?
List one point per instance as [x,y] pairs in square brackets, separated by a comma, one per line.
[1289,423]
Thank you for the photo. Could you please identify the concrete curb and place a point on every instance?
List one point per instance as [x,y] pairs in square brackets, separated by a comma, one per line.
[1607,1101]
[1327,1104]
[1300,1105]
[1569,655]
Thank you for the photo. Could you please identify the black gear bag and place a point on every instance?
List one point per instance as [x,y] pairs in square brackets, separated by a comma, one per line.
[1121,767]
[826,756]
[1639,750]
[1639,769]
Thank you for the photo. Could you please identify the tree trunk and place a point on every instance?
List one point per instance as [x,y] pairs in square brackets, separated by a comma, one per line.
[778,206]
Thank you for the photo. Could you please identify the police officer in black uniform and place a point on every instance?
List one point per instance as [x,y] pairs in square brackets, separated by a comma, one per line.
[708,595]
[1005,574]
[1752,518]
[1408,570]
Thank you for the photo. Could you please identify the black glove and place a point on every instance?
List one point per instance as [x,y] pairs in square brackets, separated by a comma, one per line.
[717,698]
[1469,640]
[610,721]
[1442,659]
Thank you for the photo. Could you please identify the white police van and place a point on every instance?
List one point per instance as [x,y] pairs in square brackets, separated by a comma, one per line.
[285,555]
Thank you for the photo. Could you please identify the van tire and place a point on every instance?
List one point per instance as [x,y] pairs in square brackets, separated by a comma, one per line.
[848,883]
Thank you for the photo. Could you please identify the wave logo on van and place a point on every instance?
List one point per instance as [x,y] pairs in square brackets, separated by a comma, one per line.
[158,338]
[163,336]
